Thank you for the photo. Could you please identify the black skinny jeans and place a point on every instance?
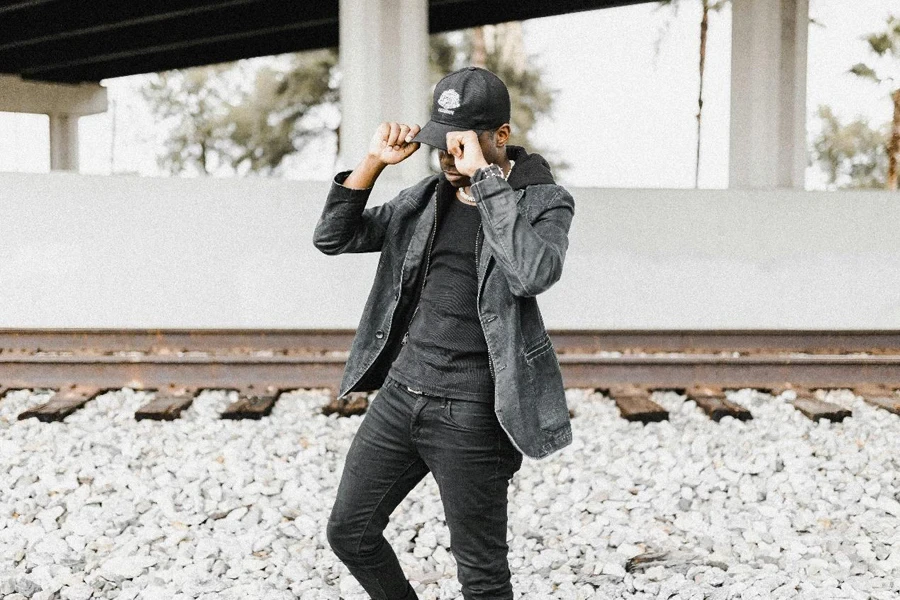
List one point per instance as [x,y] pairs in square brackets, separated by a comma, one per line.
[402,437]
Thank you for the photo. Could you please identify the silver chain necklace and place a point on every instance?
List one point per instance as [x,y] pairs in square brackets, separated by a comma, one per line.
[469,199]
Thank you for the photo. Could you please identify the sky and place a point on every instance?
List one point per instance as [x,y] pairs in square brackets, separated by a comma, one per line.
[624,116]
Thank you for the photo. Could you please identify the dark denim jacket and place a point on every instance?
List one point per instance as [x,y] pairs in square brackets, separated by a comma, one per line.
[524,239]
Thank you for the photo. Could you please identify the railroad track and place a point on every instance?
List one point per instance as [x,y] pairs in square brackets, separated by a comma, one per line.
[626,365]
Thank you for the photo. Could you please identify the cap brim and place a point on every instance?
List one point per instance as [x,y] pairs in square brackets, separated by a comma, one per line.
[435,134]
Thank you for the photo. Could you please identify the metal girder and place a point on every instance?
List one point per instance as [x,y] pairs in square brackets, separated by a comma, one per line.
[79,41]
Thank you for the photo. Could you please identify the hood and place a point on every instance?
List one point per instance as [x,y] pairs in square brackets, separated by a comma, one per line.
[529,169]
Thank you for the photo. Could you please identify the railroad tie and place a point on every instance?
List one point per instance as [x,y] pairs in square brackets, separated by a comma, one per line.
[714,403]
[63,403]
[881,396]
[166,405]
[672,558]
[356,403]
[811,406]
[634,404]
[252,403]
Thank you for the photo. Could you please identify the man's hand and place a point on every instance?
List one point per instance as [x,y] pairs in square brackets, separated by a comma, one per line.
[391,142]
[466,151]
[389,145]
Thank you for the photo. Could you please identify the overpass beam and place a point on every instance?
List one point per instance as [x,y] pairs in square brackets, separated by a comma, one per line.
[768,93]
[384,76]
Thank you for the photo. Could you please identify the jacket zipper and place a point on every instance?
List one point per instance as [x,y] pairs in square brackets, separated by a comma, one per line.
[427,265]
[478,307]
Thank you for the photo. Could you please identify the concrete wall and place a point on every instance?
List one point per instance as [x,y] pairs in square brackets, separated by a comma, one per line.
[94,251]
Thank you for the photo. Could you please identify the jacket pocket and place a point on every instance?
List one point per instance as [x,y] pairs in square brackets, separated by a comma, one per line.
[548,391]
[535,348]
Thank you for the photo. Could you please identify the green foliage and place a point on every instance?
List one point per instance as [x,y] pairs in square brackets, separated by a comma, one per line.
[219,122]
[886,47]
[853,155]
[266,125]
[865,71]
[887,41]
[880,43]
[884,44]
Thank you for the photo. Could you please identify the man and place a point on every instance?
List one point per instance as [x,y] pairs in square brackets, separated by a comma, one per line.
[451,334]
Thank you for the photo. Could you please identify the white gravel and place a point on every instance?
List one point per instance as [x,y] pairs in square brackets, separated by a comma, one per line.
[103,506]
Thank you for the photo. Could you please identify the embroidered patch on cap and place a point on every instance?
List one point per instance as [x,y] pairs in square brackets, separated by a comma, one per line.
[449,99]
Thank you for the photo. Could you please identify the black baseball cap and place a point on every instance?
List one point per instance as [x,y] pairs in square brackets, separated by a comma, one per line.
[469,98]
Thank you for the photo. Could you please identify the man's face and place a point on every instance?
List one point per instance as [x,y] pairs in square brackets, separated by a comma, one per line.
[448,164]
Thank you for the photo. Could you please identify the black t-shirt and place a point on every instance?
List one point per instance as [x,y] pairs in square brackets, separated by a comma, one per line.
[446,353]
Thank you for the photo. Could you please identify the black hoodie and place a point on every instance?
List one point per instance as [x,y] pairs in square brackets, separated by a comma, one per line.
[530,169]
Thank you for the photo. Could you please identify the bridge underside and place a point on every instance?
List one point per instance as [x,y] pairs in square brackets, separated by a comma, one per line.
[71,42]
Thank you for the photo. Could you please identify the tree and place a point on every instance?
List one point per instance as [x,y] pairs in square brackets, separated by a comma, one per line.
[708,7]
[218,120]
[886,47]
[248,116]
[852,155]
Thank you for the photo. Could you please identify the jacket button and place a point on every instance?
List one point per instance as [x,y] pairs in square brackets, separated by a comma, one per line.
[379,334]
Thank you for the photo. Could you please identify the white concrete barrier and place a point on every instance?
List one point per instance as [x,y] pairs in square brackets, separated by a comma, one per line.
[94,251]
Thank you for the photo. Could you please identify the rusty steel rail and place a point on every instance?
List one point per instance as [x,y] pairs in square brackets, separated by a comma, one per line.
[170,341]
[754,371]
[323,341]
[295,359]
[155,372]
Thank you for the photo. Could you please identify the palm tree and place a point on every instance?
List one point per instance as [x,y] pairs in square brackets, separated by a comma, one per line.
[708,7]
[886,45]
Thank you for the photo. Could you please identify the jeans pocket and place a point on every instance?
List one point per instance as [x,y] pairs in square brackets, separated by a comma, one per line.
[402,389]
[474,417]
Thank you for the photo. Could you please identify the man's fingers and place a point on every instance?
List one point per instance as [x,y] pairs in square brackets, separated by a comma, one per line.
[413,132]
[453,144]
[383,131]
[394,134]
[403,137]
[457,140]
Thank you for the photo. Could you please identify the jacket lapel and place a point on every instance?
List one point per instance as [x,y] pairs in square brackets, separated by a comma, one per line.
[415,252]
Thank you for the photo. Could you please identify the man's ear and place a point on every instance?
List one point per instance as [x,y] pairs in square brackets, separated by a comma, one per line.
[502,135]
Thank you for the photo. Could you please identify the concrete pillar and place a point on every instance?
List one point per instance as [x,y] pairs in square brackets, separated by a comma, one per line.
[768,93]
[64,103]
[384,66]
[63,142]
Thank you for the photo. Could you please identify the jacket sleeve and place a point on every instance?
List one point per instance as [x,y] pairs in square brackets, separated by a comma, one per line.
[346,225]
[530,255]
